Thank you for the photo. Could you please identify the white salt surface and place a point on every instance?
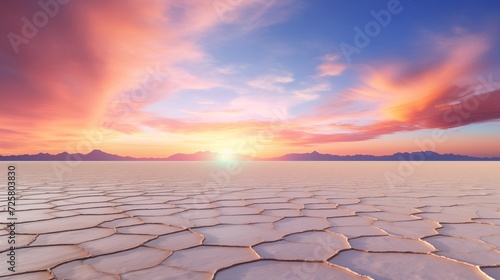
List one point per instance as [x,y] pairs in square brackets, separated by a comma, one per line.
[274,220]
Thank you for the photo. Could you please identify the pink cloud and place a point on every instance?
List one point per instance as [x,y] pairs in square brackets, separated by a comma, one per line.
[331,66]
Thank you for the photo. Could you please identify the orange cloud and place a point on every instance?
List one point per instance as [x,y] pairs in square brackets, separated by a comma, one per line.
[410,92]
[443,92]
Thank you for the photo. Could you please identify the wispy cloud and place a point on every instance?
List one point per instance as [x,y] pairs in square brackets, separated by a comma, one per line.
[331,66]
[271,82]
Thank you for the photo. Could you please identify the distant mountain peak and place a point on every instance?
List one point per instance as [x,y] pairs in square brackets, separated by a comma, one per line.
[95,152]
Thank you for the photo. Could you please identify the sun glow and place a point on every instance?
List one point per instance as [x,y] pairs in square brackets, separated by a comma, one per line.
[227,155]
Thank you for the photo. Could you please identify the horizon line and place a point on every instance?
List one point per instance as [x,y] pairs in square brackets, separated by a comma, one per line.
[243,157]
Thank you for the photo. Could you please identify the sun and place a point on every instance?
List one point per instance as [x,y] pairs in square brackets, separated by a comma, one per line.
[227,155]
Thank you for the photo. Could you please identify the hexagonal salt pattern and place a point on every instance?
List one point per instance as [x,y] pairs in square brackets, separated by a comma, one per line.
[276,221]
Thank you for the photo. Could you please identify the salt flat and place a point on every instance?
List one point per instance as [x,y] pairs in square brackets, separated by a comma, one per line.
[271,220]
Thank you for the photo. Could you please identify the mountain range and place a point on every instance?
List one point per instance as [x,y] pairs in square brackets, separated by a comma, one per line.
[98,155]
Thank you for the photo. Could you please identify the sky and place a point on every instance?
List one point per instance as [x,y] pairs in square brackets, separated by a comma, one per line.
[255,77]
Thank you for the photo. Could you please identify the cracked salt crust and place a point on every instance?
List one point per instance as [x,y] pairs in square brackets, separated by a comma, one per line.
[152,223]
